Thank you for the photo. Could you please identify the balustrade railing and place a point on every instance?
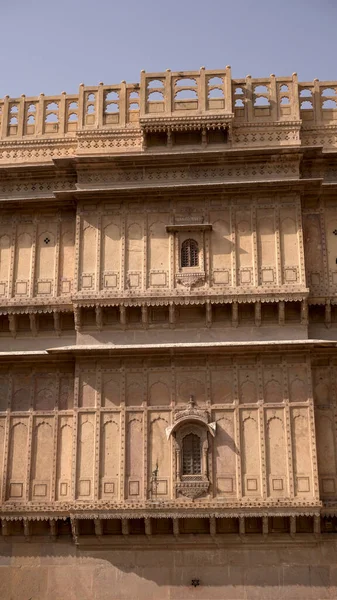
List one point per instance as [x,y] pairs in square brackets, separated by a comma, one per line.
[170,94]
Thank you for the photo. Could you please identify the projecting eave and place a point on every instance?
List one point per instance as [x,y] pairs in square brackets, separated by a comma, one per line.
[29,357]
[24,353]
[291,183]
[151,157]
[181,348]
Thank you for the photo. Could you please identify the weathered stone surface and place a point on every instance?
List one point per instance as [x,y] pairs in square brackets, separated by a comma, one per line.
[168,328]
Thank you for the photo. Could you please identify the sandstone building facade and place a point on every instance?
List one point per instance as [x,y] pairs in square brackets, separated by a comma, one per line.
[168,328]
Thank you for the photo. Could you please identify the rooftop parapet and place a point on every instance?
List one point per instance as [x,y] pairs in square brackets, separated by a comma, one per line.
[172,97]
[186,93]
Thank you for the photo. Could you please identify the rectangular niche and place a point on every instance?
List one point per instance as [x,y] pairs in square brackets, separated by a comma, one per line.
[87,282]
[21,288]
[134,488]
[44,287]
[267,275]
[221,277]
[303,484]
[158,279]
[40,490]
[134,280]
[225,485]
[110,281]
[15,490]
[84,487]
[290,275]
[65,287]
[109,487]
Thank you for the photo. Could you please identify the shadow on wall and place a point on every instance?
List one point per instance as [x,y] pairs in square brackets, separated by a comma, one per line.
[60,570]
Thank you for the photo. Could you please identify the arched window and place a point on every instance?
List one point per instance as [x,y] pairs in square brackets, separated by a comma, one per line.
[191,454]
[189,253]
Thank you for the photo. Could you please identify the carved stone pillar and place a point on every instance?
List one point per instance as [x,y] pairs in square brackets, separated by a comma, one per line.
[33,326]
[98,527]
[122,315]
[57,324]
[148,526]
[176,527]
[257,314]
[77,318]
[235,314]
[12,324]
[125,527]
[99,317]
[328,314]
[281,313]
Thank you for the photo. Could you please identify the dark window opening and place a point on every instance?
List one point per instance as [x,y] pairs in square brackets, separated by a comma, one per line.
[189,253]
[217,136]
[187,138]
[191,455]
[194,526]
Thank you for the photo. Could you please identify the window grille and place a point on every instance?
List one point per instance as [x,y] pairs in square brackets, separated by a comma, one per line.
[189,253]
[191,455]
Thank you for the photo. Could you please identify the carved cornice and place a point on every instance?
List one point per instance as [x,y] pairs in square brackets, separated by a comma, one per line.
[179,509]
[60,304]
[180,299]
[37,149]
[30,307]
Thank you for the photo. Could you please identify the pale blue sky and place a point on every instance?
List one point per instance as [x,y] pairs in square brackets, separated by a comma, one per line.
[54,46]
